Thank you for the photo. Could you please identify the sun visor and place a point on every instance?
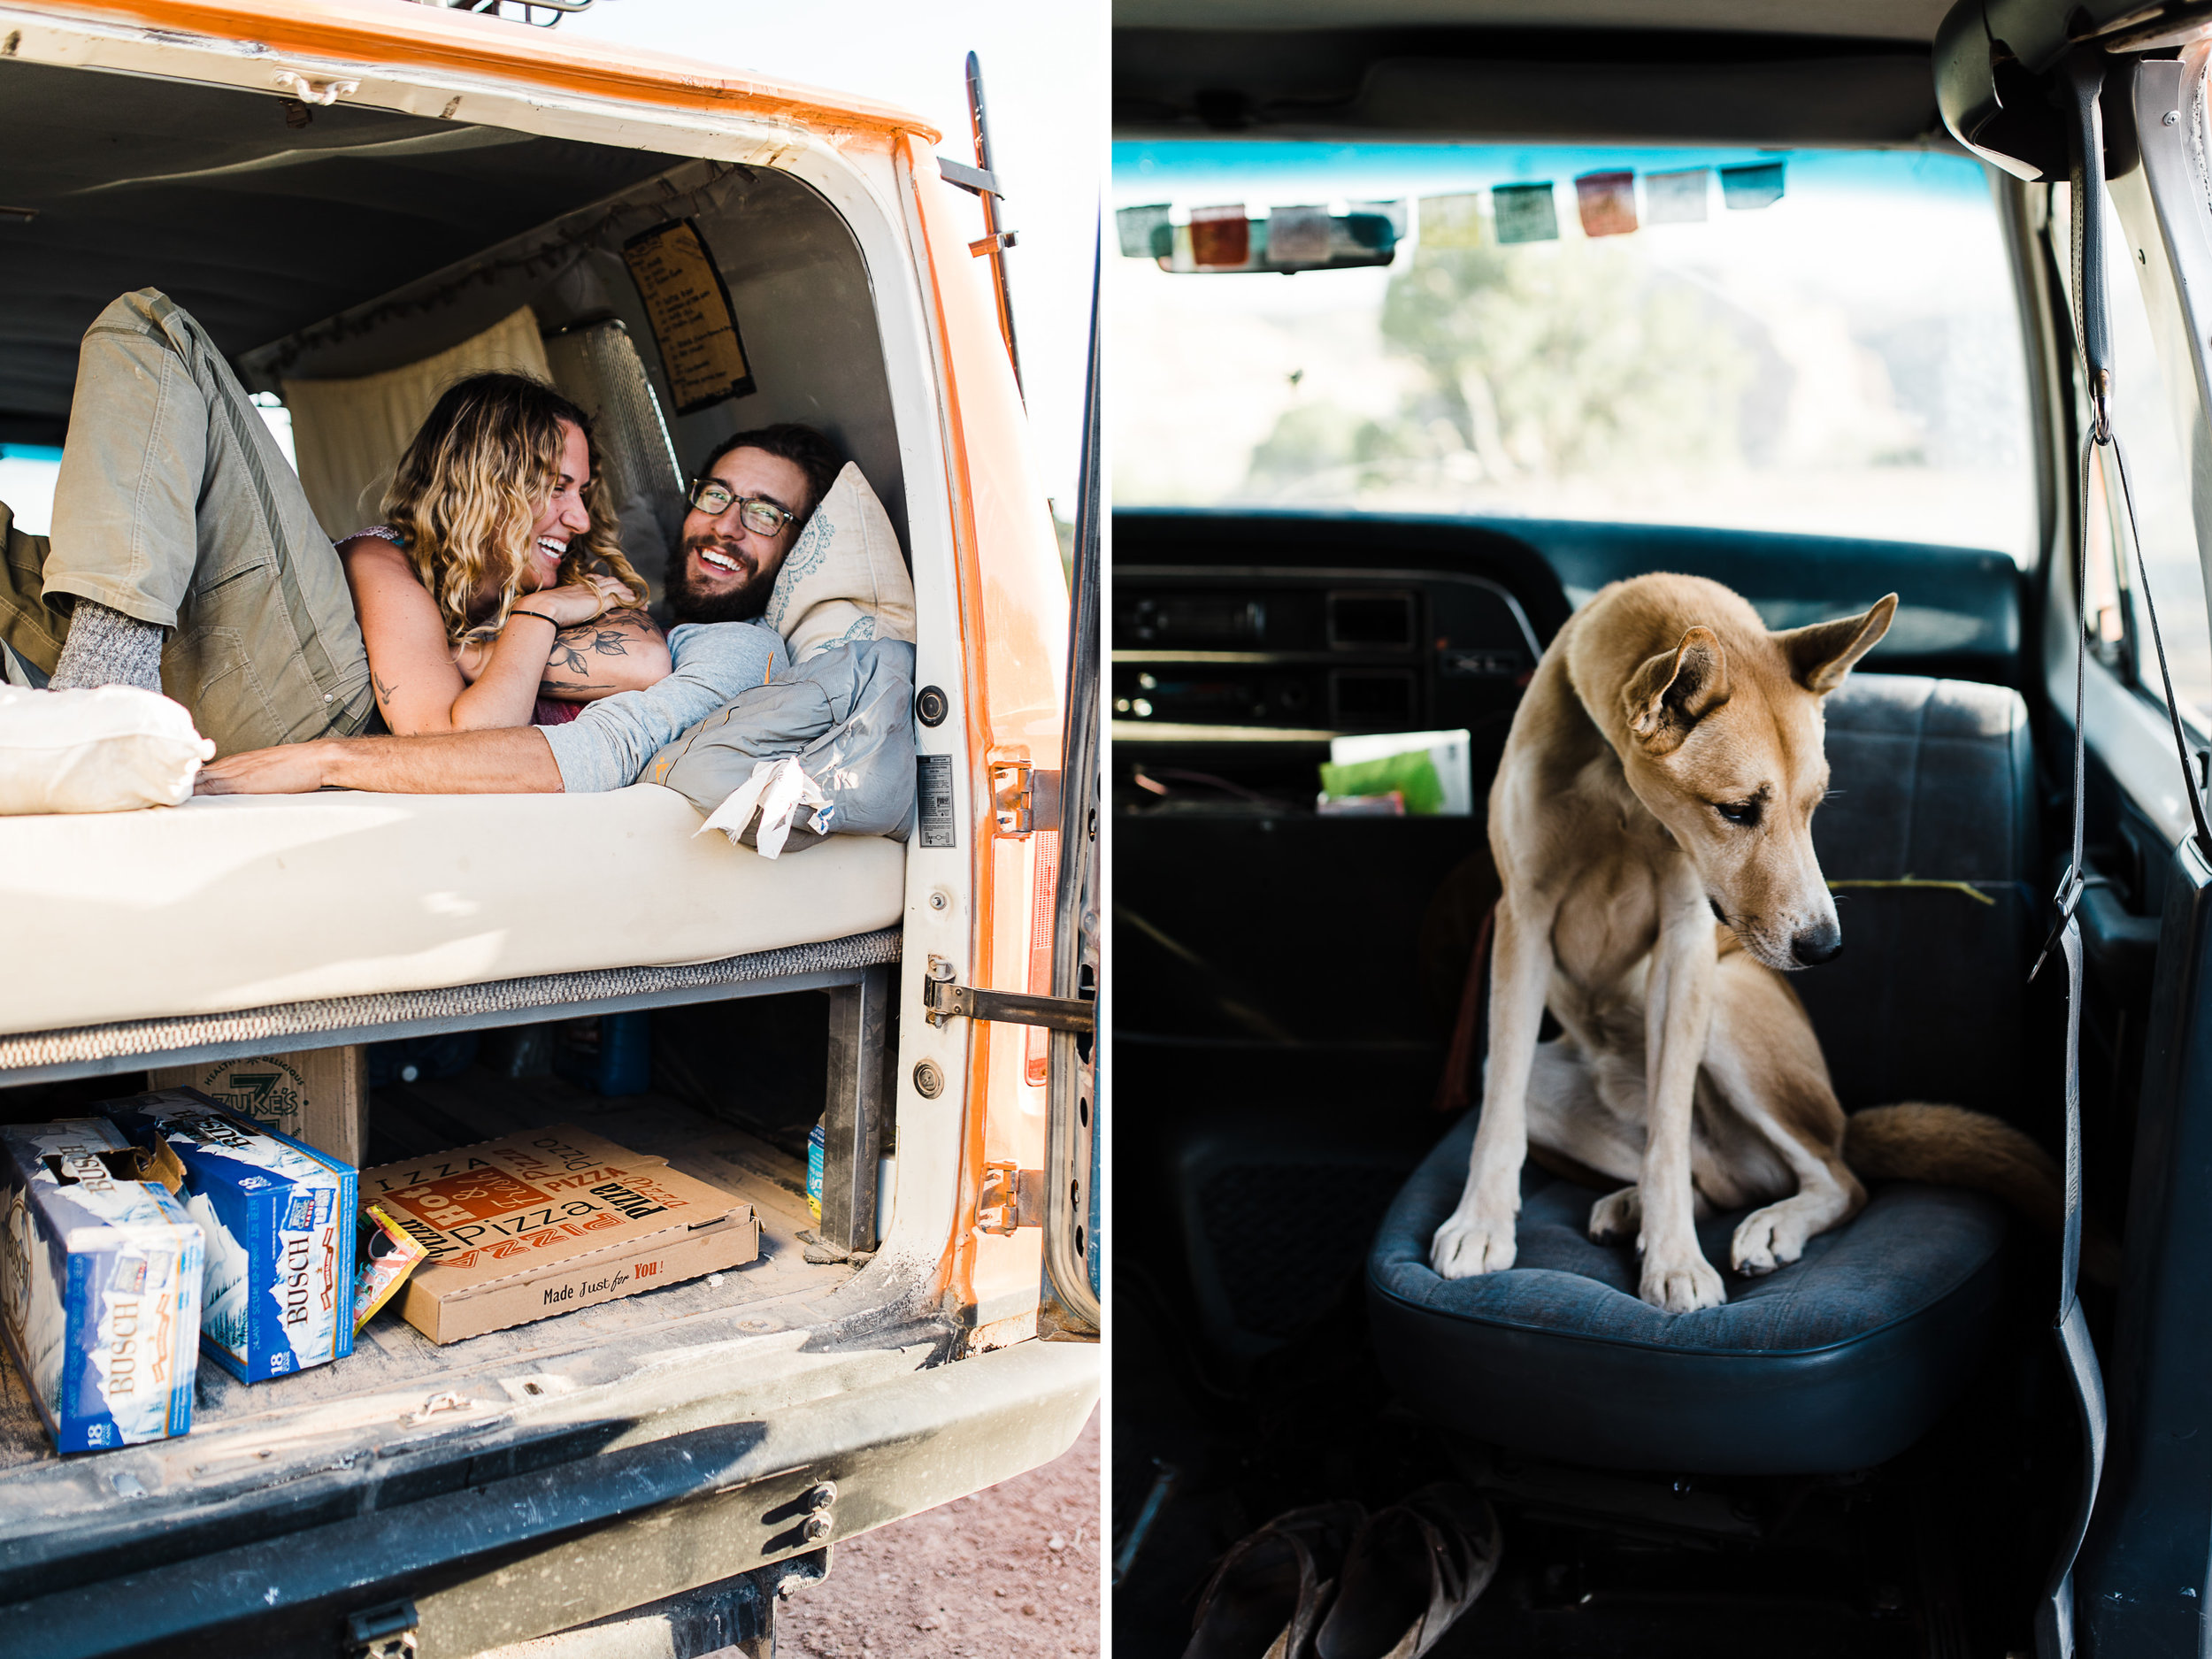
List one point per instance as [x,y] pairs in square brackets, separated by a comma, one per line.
[1995,64]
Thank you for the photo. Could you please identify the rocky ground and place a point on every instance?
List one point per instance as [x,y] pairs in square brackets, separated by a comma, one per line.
[1012,1572]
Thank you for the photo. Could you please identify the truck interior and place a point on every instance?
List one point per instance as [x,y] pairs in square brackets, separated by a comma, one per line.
[1362,498]
[320,246]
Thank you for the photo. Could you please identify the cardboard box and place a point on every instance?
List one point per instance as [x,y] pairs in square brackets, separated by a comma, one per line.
[278,1219]
[318,1095]
[99,1284]
[549,1221]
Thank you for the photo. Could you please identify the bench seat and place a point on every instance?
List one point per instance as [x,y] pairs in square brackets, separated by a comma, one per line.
[231,902]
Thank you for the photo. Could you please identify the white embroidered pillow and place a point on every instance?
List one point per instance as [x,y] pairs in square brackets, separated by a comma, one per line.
[844,579]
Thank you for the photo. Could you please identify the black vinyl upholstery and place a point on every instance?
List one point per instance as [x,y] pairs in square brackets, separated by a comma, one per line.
[1842,1359]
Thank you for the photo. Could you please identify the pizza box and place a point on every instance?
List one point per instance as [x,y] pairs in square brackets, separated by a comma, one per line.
[549,1221]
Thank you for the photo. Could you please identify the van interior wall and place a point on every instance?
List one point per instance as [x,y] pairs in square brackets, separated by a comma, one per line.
[798,288]
[805,311]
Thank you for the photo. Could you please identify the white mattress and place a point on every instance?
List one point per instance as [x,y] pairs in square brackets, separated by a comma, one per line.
[238,902]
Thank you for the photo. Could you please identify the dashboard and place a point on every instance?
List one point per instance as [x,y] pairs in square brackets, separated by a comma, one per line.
[1243,645]
[1268,653]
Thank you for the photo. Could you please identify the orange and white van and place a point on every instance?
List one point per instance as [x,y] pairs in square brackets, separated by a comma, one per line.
[348,193]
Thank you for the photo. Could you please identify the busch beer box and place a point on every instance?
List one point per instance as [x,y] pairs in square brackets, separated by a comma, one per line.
[279,1217]
[99,1283]
[549,1221]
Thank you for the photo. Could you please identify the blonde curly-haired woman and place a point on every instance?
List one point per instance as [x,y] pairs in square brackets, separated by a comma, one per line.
[489,531]
[184,558]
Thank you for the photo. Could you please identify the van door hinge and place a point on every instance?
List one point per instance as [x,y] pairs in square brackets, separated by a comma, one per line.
[1012,1198]
[1024,798]
[943,1001]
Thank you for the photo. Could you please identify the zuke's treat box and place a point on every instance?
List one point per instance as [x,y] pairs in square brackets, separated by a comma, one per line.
[99,1283]
[549,1221]
[279,1217]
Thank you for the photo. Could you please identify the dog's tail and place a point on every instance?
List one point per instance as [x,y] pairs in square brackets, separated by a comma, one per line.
[1952,1147]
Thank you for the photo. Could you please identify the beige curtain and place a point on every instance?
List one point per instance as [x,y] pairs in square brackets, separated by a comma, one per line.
[349,434]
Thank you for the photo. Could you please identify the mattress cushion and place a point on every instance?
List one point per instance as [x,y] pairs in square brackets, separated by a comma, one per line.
[240,902]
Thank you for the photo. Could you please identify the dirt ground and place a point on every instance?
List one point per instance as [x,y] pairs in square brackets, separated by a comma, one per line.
[1012,1572]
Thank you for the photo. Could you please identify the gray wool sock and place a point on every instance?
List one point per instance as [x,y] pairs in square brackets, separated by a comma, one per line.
[107,648]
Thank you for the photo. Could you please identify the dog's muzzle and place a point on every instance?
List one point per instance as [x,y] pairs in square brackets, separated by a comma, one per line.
[1821,942]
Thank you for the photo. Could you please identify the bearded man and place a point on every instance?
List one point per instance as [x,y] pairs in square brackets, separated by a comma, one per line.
[747,507]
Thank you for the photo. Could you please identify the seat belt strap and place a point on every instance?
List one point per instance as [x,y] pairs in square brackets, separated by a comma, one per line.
[2085,73]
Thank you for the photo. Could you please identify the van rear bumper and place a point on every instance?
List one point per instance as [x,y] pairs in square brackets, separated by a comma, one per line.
[531,1553]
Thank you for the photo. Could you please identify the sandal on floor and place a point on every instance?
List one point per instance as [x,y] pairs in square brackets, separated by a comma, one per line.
[1267,1597]
[1413,1570]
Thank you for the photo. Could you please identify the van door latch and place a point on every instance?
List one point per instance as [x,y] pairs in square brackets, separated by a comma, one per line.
[1012,1198]
[943,1001]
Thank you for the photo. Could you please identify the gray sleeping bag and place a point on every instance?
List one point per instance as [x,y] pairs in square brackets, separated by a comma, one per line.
[845,714]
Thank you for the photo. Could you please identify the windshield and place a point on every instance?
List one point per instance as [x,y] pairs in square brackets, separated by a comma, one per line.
[1821,341]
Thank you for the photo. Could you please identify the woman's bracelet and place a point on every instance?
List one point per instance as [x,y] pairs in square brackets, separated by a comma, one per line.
[524,610]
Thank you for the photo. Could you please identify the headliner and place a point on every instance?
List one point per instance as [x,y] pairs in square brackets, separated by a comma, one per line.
[1738,72]
[1853,19]
[256,228]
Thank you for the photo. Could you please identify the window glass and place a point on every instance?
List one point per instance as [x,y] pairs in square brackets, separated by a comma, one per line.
[1843,357]
[2150,421]
[27,471]
[26,484]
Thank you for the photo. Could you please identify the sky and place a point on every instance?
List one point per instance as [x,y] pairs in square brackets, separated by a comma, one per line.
[1045,82]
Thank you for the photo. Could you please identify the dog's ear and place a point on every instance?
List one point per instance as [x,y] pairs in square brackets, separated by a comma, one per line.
[1676,689]
[1820,656]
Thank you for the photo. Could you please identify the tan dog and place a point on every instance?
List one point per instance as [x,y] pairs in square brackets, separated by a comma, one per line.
[1663,771]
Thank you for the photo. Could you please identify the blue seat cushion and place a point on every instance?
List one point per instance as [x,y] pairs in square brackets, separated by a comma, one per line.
[1836,1362]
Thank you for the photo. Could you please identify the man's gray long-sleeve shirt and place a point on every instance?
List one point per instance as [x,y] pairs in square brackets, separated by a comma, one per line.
[608,745]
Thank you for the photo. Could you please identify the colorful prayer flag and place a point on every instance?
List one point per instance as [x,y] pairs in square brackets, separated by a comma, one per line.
[1524,213]
[1606,202]
[1677,198]
[1743,189]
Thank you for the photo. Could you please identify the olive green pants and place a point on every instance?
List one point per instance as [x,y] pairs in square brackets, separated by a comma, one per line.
[176,506]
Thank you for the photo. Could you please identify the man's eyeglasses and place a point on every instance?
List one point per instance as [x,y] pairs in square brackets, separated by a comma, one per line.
[757,514]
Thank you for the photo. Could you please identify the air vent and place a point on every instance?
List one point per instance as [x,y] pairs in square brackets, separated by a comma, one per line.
[1370,622]
[1383,699]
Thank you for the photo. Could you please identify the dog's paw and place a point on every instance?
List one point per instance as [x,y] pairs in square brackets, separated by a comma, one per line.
[1617,1216]
[1470,1245]
[1767,1239]
[1682,1284]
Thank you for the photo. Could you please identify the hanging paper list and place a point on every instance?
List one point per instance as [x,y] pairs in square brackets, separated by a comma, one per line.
[689,308]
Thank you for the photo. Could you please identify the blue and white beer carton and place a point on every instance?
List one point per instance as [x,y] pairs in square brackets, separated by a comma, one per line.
[100,1269]
[279,1217]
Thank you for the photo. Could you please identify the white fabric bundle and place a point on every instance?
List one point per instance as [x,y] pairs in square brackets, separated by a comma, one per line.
[114,749]
[777,790]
